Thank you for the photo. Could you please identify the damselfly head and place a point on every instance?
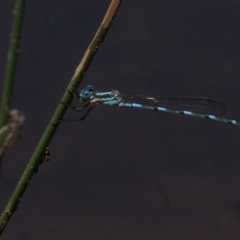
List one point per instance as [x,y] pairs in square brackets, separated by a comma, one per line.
[86,93]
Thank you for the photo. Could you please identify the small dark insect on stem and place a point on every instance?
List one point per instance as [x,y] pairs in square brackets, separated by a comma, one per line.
[45,156]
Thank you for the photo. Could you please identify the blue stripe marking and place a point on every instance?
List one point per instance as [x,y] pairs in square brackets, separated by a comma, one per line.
[161,109]
[187,113]
[212,117]
[137,105]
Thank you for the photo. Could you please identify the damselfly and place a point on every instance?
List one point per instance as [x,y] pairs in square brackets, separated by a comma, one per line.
[11,131]
[201,107]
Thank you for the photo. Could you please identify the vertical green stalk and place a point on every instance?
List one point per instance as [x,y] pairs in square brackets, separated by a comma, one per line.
[58,114]
[12,57]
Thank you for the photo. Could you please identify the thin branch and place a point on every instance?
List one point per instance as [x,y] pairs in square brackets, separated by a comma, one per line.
[57,116]
[12,57]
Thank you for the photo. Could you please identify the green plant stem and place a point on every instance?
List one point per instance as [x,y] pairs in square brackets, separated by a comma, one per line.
[62,107]
[12,57]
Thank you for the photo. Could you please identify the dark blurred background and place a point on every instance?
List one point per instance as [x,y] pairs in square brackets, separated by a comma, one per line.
[127,173]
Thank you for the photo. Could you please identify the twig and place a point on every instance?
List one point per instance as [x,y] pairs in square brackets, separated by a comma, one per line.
[12,57]
[13,52]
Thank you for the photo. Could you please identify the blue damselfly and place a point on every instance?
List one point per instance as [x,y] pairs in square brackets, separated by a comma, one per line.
[201,107]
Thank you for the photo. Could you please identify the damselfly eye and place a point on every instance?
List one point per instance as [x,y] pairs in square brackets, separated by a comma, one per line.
[85,94]
[90,88]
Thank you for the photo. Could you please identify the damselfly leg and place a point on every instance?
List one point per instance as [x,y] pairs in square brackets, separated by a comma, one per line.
[79,109]
[81,118]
